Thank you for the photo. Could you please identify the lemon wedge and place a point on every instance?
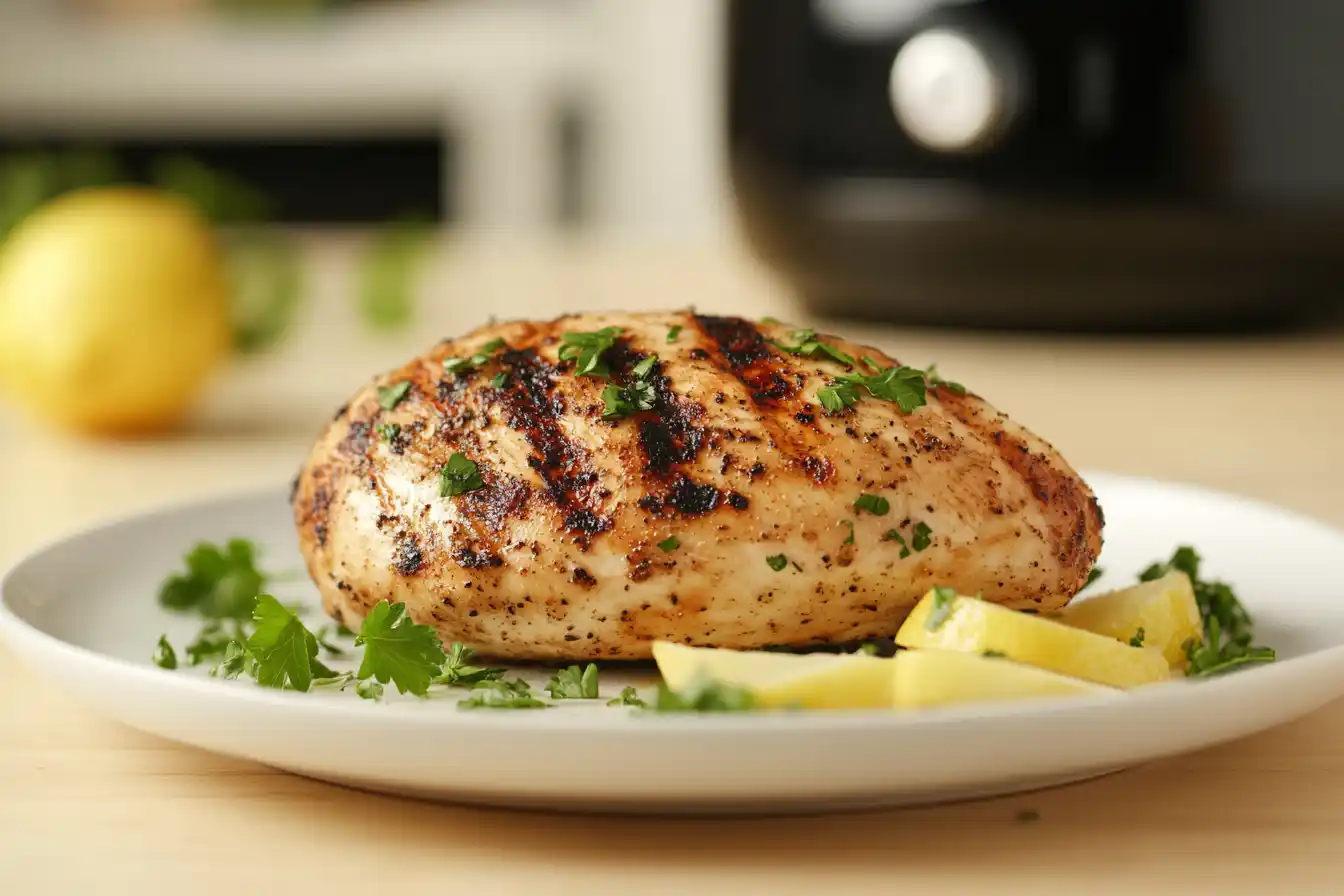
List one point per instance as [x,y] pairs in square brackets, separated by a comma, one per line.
[778,680]
[1165,609]
[928,678]
[945,621]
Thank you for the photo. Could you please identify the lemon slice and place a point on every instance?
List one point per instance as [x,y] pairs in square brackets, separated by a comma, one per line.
[927,678]
[943,621]
[1165,609]
[776,680]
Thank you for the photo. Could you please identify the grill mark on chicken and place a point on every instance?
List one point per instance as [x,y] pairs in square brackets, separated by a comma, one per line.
[531,408]
[749,358]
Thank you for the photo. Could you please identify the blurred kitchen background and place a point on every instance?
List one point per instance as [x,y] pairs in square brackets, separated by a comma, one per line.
[976,183]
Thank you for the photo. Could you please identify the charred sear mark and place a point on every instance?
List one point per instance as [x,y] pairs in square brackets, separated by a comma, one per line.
[582,577]
[819,469]
[531,409]
[318,509]
[356,441]
[500,501]
[469,559]
[294,487]
[689,498]
[738,502]
[586,522]
[407,557]
[748,356]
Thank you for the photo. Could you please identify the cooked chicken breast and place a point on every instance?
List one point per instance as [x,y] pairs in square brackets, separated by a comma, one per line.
[715,506]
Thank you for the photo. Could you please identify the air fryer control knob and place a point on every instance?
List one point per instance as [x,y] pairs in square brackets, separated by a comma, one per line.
[955,90]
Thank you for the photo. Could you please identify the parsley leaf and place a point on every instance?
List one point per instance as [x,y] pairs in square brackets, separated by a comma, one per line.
[1228,630]
[874,504]
[211,641]
[673,333]
[933,379]
[284,651]
[919,539]
[502,694]
[669,544]
[629,697]
[499,380]
[809,346]
[586,350]
[220,582]
[777,562]
[459,476]
[894,535]
[236,661]
[903,385]
[391,396]
[463,366]
[1096,573]
[388,431]
[369,689]
[868,648]
[574,683]
[458,670]
[850,524]
[1137,640]
[164,656]
[704,696]
[636,395]
[399,650]
[944,602]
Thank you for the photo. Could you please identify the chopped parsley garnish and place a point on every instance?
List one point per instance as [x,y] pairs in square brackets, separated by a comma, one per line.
[629,697]
[391,396]
[1228,634]
[669,544]
[874,504]
[586,350]
[164,656]
[944,602]
[574,683]
[463,366]
[673,333]
[369,689]
[389,431]
[1096,573]
[903,385]
[869,649]
[706,696]
[933,379]
[894,535]
[850,538]
[220,582]
[236,661]
[919,538]
[398,650]
[636,395]
[283,651]
[501,694]
[777,562]
[458,670]
[211,642]
[459,476]
[1137,640]
[499,380]
[808,345]
[770,321]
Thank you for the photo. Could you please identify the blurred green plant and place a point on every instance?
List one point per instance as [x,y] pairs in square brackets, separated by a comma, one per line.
[224,199]
[267,280]
[28,179]
[389,272]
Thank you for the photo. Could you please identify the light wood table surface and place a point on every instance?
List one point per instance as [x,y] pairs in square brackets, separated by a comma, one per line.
[89,806]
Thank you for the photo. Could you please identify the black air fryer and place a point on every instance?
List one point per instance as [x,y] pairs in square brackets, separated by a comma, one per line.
[1063,164]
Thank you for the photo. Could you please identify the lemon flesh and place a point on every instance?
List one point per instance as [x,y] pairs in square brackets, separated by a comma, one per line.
[969,625]
[927,678]
[779,680]
[1164,608]
[113,309]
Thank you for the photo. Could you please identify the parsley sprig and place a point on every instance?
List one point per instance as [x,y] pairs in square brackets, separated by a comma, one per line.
[586,350]
[220,582]
[463,366]
[574,683]
[903,385]
[933,379]
[398,650]
[391,396]
[637,394]
[459,669]
[459,476]
[808,345]
[704,696]
[1228,633]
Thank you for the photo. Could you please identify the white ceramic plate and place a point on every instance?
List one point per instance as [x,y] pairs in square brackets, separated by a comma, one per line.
[83,612]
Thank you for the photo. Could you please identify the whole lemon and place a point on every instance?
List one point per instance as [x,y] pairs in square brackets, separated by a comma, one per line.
[113,310]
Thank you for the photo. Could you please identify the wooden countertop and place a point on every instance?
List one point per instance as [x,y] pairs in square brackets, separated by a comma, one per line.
[87,805]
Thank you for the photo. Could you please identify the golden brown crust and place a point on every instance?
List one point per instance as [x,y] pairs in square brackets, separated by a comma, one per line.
[557,555]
